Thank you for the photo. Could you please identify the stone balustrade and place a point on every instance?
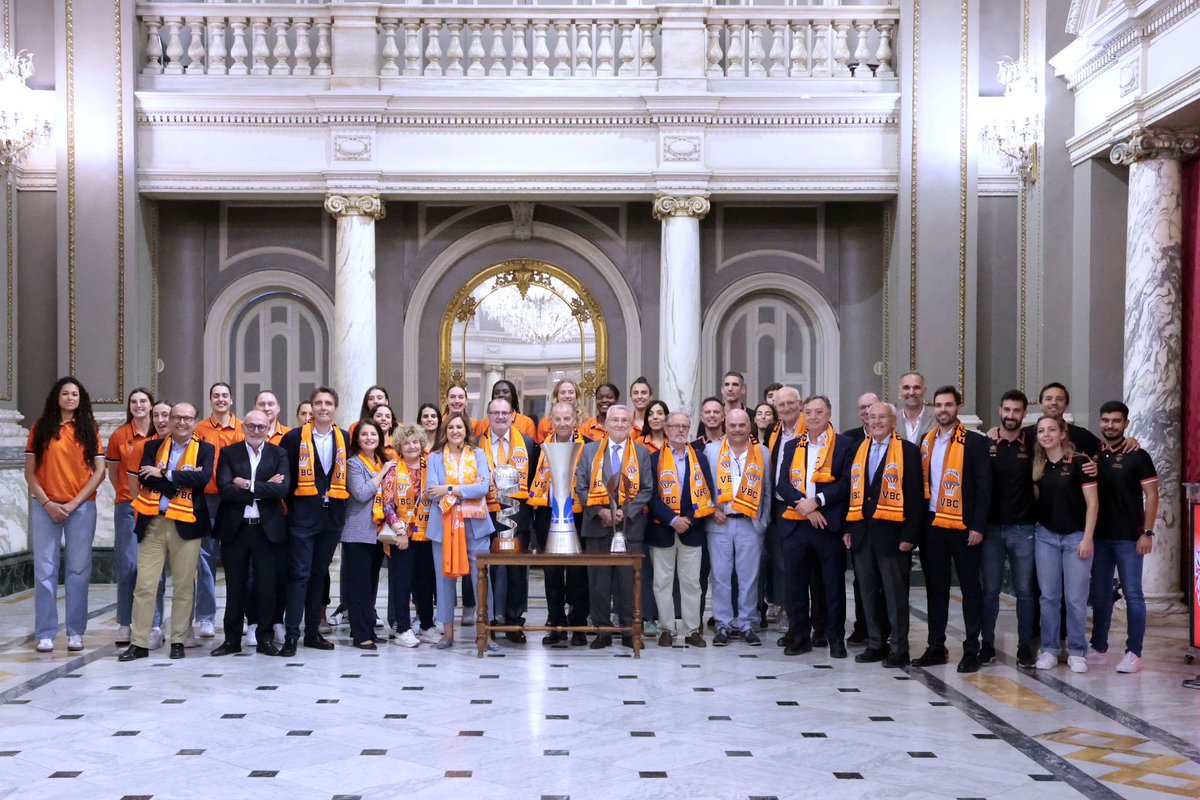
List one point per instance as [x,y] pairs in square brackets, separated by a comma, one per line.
[801,42]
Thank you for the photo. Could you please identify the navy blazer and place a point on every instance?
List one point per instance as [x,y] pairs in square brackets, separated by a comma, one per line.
[195,479]
[836,493]
[885,536]
[659,532]
[300,508]
[235,463]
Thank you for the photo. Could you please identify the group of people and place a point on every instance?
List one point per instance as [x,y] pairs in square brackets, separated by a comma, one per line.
[760,508]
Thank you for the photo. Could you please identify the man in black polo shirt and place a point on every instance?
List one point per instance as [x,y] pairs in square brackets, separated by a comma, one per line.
[1128,485]
[1010,530]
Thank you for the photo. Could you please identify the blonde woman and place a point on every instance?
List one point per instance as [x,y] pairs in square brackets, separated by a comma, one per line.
[410,565]
[565,391]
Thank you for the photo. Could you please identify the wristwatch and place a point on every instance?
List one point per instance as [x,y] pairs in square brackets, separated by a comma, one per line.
[1149,533]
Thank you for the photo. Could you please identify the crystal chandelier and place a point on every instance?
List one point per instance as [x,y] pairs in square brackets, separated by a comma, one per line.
[1015,132]
[21,123]
[541,316]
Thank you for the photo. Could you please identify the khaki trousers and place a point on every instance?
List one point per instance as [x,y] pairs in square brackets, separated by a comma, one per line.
[665,559]
[160,545]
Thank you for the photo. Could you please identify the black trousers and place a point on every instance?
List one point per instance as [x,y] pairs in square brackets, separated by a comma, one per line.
[567,598]
[401,571]
[939,548]
[860,612]
[424,582]
[360,565]
[611,588]
[816,567]
[249,548]
[310,549]
[513,601]
[888,574]
[777,584]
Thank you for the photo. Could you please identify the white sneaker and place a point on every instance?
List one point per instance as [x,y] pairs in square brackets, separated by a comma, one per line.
[156,638]
[783,621]
[1046,661]
[430,635]
[123,634]
[1077,663]
[189,638]
[772,612]
[407,639]
[45,645]
[206,629]
[1096,657]
[74,643]
[1130,663]
[252,636]
[468,616]
[279,632]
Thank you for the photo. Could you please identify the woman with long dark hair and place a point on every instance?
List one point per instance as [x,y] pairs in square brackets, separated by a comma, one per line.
[764,422]
[429,420]
[362,554]
[640,395]
[654,437]
[63,468]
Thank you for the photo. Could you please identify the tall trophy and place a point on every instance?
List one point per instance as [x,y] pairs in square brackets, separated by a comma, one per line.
[562,538]
[615,484]
[507,480]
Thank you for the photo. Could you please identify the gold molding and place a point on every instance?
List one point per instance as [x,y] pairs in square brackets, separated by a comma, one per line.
[887,311]
[963,100]
[523,272]
[119,55]
[10,273]
[151,217]
[71,188]
[912,232]
[1023,228]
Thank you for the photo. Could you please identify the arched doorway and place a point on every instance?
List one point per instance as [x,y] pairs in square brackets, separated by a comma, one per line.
[529,322]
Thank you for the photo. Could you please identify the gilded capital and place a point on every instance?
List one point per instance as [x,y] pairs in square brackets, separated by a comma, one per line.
[1145,145]
[669,205]
[355,205]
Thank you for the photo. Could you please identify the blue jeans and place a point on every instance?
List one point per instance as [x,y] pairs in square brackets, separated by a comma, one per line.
[125,550]
[1014,542]
[1062,575]
[445,586]
[1121,556]
[45,534]
[205,609]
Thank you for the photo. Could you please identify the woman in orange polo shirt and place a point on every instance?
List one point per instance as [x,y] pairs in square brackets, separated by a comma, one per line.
[63,467]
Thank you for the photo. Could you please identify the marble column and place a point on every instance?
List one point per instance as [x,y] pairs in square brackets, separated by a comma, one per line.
[1153,335]
[353,352]
[679,301]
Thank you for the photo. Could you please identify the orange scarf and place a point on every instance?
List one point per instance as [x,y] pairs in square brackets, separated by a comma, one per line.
[948,511]
[749,492]
[539,492]
[181,507]
[891,494]
[800,429]
[404,489]
[377,502]
[823,472]
[630,476]
[306,483]
[518,456]
[668,483]
[456,512]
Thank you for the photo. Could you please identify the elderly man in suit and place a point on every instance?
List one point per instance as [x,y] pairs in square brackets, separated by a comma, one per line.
[253,478]
[883,523]
[615,454]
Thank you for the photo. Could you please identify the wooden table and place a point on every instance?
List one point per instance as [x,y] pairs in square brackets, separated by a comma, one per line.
[483,628]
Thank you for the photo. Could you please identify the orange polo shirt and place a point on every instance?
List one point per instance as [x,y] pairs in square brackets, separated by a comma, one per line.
[125,448]
[277,436]
[521,423]
[593,429]
[63,471]
[219,436]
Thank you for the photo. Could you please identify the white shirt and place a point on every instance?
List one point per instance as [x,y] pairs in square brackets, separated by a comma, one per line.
[323,444]
[251,511]
[496,449]
[937,461]
[813,453]
[619,458]
[738,465]
[786,434]
[912,431]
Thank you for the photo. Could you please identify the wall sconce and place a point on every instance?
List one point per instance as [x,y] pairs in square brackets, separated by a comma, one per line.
[1016,132]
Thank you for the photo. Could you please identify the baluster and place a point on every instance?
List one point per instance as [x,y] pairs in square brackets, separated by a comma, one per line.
[604,50]
[862,52]
[323,49]
[259,51]
[174,46]
[841,50]
[195,49]
[625,52]
[475,51]
[562,48]
[216,46]
[391,52]
[583,49]
[799,53]
[238,51]
[820,51]
[454,49]
[154,47]
[648,54]
[433,47]
[281,52]
[303,52]
[757,70]
[778,50]
[412,47]
[736,60]
[520,50]
[540,51]
[713,52]
[498,52]
[883,53]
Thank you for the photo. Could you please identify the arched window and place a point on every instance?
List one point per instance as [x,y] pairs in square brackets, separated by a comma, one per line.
[769,338]
[279,342]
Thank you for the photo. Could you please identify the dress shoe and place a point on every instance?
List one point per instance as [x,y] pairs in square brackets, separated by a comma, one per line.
[516,637]
[133,652]
[1025,657]
[176,651]
[579,639]
[721,639]
[819,640]
[797,648]
[695,639]
[857,638]
[837,649]
[600,642]
[554,637]
[987,655]
[267,649]
[932,657]
[871,655]
[367,645]
[712,622]
[289,647]
[969,663]
[318,642]
[226,649]
[896,660]
[666,639]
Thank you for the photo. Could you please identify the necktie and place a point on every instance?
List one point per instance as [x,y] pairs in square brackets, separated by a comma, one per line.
[615,459]
[877,451]
[503,452]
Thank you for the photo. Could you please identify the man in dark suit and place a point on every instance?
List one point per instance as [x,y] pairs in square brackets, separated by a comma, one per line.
[317,454]
[817,492]
[955,520]
[253,479]
[882,486]
[856,436]
[790,406]
[172,521]
[612,587]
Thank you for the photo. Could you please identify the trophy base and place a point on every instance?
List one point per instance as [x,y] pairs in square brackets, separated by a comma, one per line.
[388,538]
[618,543]
[563,543]
[506,544]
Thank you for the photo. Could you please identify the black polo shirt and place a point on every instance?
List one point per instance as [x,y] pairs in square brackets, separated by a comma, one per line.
[1120,481]
[1084,440]
[1060,504]
[1012,481]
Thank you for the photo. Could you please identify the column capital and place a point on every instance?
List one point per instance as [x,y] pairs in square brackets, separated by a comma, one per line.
[672,205]
[1147,144]
[355,205]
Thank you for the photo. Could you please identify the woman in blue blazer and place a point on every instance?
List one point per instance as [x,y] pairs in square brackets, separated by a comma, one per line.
[459,523]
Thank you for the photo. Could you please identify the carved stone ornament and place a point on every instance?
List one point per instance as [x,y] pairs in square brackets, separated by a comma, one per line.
[522,214]
[356,205]
[681,148]
[1146,145]
[667,205]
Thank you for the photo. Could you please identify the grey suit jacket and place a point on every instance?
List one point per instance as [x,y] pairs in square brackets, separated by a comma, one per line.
[635,524]
[928,423]
[712,452]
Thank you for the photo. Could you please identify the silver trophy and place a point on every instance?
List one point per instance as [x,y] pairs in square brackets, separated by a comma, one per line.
[507,479]
[614,493]
[562,538]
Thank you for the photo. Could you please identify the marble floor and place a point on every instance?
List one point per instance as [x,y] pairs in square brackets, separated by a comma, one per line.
[535,722]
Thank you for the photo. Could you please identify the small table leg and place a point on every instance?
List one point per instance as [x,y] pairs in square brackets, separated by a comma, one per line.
[637,610]
[481,612]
